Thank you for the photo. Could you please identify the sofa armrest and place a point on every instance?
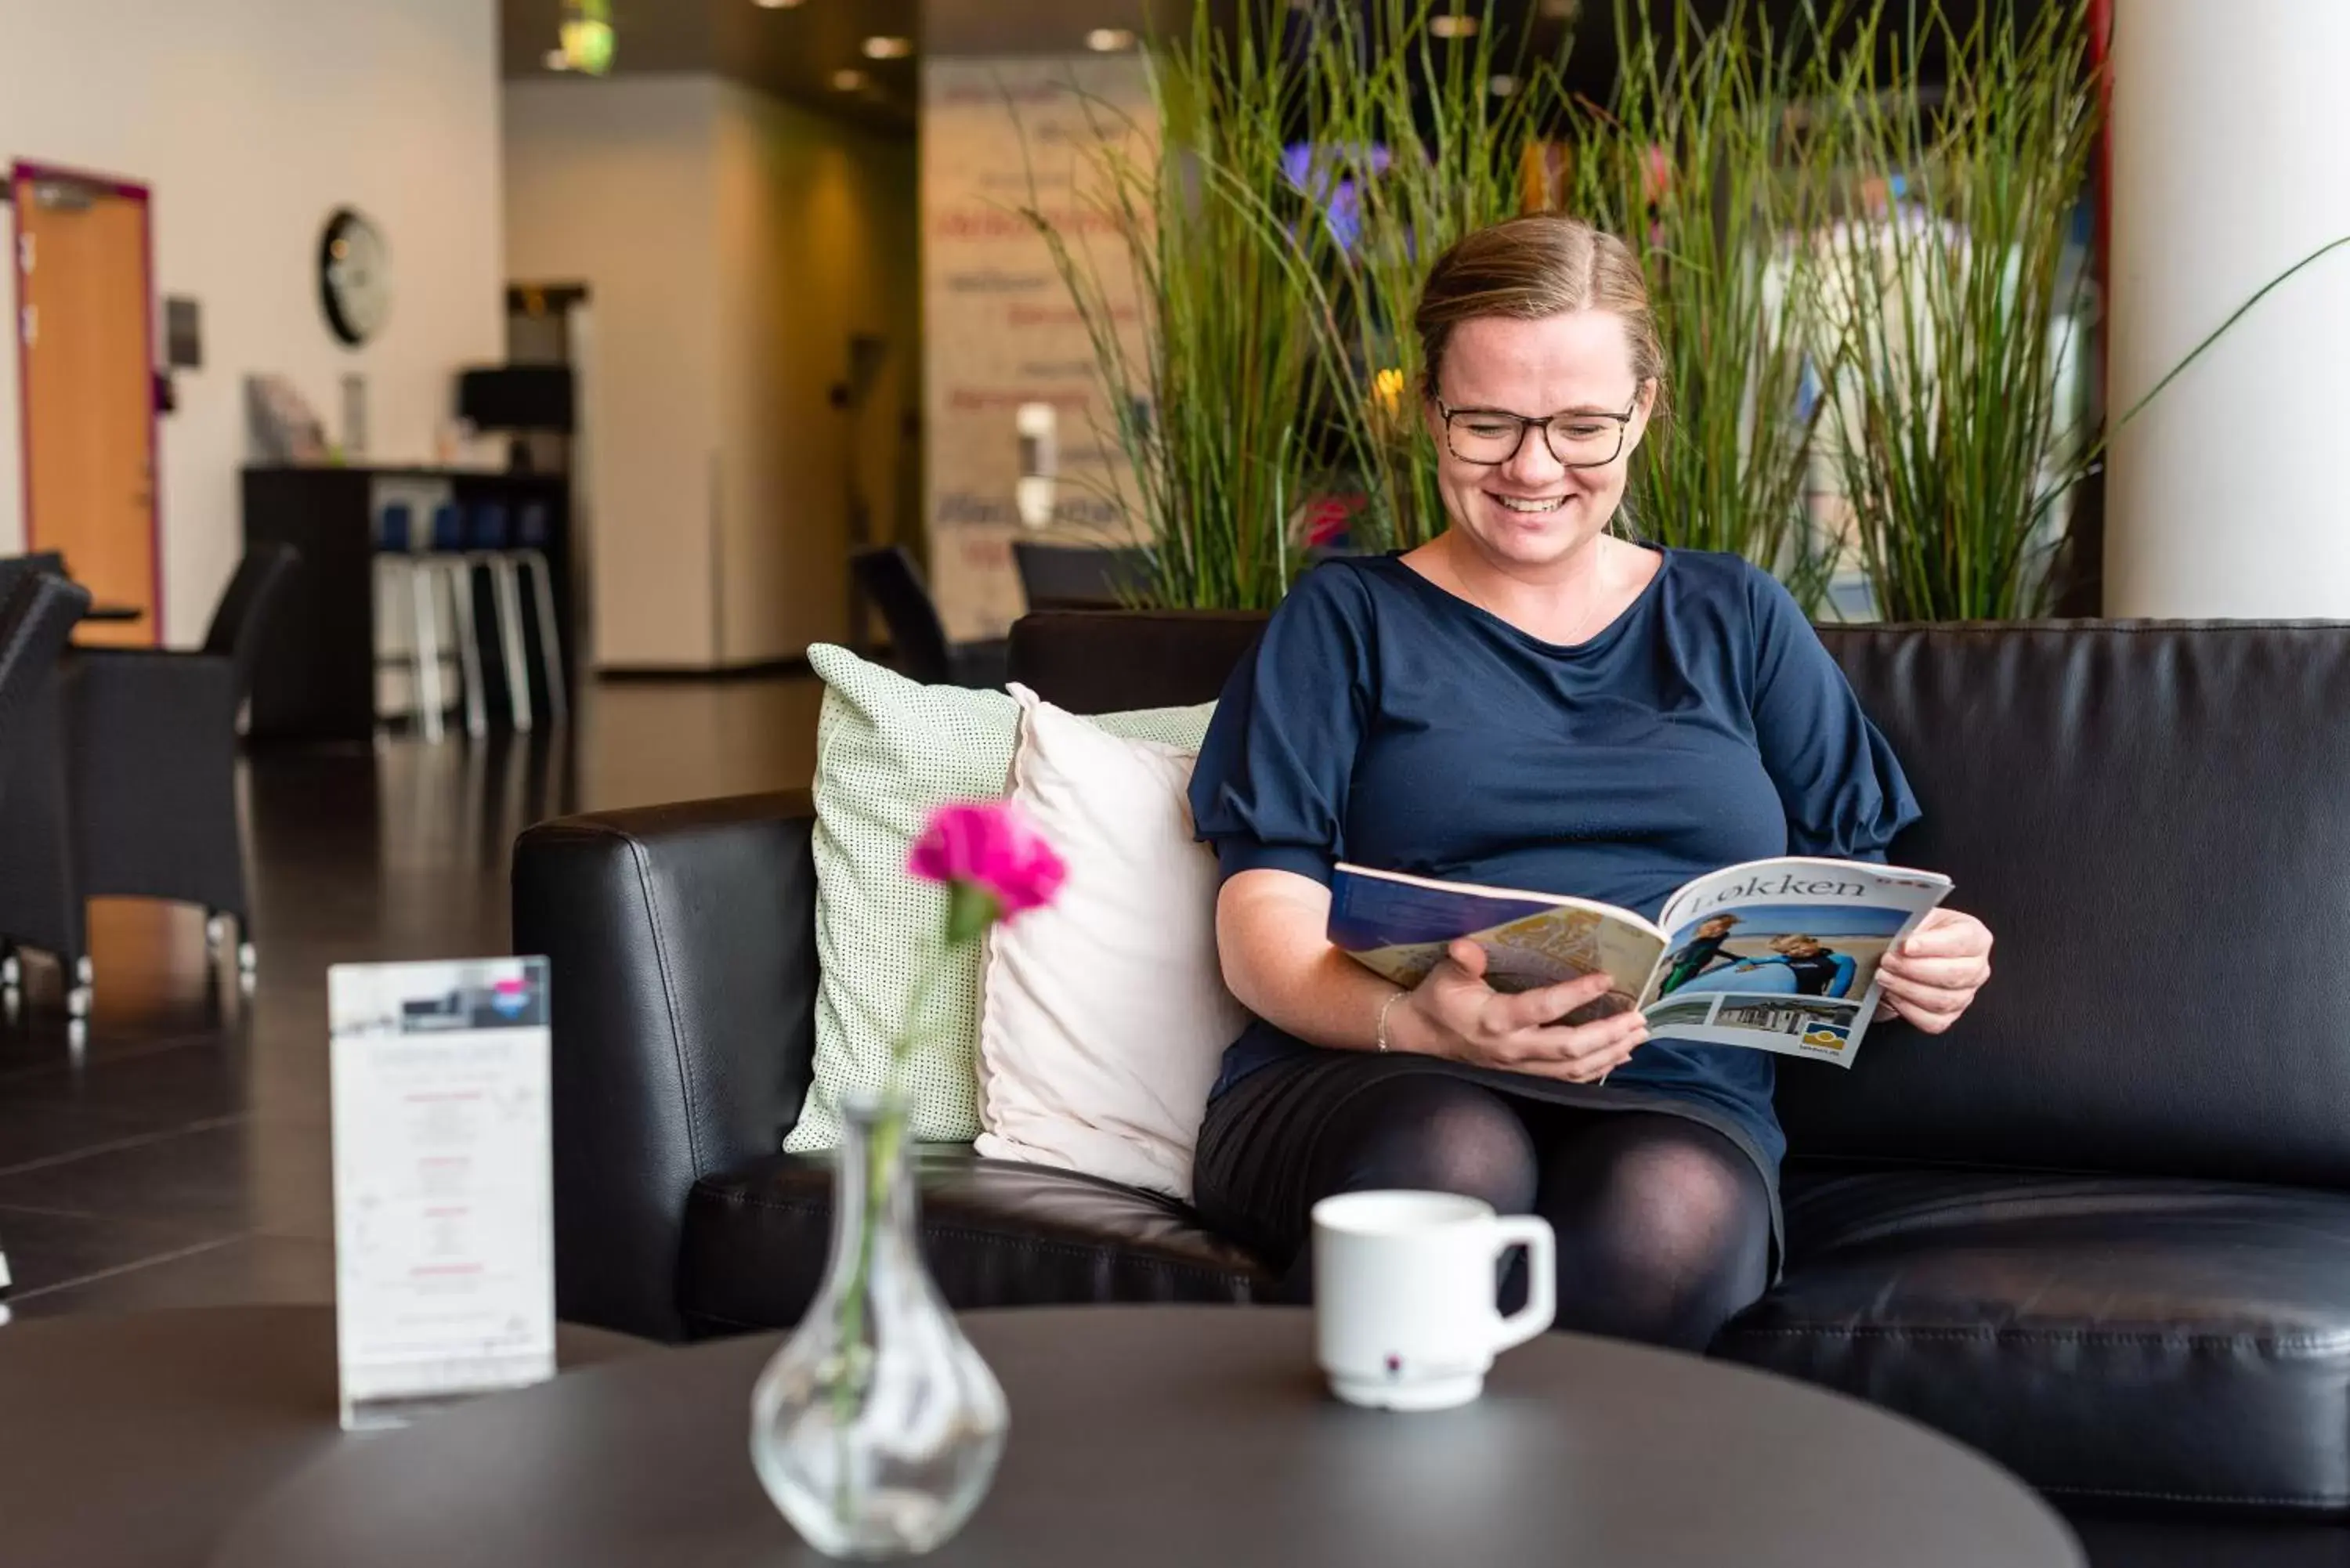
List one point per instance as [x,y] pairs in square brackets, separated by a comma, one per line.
[681,947]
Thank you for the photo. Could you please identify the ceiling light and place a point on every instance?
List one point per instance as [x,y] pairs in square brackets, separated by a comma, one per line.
[587,45]
[887,48]
[557,60]
[1503,85]
[1109,40]
[1452,25]
[585,35]
[775,4]
[847,81]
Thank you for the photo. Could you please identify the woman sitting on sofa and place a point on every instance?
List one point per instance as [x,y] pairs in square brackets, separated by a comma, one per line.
[1531,701]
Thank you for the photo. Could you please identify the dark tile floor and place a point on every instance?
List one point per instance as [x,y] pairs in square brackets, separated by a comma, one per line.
[178,1157]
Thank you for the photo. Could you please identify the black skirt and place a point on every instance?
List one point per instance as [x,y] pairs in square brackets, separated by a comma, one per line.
[1256,1143]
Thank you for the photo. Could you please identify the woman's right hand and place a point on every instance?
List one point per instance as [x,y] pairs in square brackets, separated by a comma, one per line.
[1454,1013]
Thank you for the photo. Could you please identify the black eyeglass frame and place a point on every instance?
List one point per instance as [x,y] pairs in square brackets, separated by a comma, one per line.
[1623,428]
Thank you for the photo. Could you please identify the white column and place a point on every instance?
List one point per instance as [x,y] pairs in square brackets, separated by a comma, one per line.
[2229,495]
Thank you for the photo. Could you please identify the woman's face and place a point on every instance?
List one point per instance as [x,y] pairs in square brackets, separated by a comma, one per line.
[1531,511]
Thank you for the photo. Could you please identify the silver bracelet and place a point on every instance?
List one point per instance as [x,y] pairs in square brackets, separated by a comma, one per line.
[1385,1008]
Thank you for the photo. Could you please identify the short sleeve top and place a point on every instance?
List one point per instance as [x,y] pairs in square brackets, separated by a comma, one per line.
[1385,721]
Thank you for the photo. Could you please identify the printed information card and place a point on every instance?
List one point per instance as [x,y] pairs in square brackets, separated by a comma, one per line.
[444,1251]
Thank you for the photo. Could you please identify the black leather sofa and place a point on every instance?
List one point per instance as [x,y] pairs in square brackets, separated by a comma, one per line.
[2102,1232]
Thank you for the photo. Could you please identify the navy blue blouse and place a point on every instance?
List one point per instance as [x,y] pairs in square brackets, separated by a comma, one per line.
[1385,721]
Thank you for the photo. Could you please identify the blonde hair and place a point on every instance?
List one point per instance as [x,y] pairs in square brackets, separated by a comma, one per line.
[1528,268]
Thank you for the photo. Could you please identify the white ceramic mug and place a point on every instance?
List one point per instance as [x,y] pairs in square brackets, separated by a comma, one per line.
[1405,1284]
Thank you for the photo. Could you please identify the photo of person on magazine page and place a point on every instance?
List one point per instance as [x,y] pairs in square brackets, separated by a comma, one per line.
[1693,958]
[1786,950]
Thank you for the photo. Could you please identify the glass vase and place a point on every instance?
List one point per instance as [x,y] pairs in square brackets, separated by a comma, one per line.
[876,1428]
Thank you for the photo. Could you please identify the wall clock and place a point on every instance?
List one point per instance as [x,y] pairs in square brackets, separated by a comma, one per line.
[354,276]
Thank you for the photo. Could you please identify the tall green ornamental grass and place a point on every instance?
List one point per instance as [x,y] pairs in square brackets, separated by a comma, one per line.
[1687,165]
[1207,408]
[1849,273]
[1276,362]
[1950,306]
[1409,127]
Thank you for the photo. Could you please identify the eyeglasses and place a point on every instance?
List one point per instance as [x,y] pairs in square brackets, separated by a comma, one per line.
[1577,439]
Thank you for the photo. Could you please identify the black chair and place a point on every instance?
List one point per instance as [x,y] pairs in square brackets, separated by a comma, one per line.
[153,759]
[888,576]
[15,568]
[38,612]
[238,621]
[1080,576]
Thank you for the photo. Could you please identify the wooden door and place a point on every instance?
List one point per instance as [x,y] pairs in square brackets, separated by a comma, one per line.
[86,355]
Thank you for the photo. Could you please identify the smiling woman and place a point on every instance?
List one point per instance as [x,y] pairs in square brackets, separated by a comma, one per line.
[1541,324]
[1528,700]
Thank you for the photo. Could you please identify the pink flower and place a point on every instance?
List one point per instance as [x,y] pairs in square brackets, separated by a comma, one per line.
[1656,174]
[986,850]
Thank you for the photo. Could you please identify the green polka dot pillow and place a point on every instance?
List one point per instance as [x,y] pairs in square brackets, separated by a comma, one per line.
[888,752]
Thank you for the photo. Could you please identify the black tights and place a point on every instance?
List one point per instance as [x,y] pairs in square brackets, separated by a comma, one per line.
[1664,1225]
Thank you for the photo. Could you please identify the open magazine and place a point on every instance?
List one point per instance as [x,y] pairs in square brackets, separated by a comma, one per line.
[1779,955]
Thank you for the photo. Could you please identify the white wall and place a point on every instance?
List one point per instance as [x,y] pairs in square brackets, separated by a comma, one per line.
[250,120]
[612,183]
[2225,496]
[730,243]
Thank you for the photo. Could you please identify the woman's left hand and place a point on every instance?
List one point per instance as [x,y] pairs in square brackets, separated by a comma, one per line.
[1931,978]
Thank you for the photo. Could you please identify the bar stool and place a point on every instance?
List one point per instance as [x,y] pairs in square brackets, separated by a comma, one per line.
[425,569]
[508,553]
[489,544]
[533,530]
[397,574]
[451,565]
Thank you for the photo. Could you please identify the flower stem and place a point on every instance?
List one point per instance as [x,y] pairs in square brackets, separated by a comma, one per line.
[880,1161]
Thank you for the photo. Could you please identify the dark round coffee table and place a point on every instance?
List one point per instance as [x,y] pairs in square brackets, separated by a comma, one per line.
[132,1440]
[1195,1434]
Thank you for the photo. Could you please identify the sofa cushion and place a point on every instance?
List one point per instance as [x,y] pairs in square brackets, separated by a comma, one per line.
[888,752]
[1104,1016]
[995,1233]
[2180,1341]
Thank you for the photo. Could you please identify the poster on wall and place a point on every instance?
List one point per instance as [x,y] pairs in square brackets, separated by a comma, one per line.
[1018,428]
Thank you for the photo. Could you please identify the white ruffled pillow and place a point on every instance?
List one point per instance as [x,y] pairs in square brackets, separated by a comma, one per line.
[1104,1017]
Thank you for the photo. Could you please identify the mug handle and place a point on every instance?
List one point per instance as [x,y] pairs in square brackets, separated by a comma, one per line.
[1533,1232]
